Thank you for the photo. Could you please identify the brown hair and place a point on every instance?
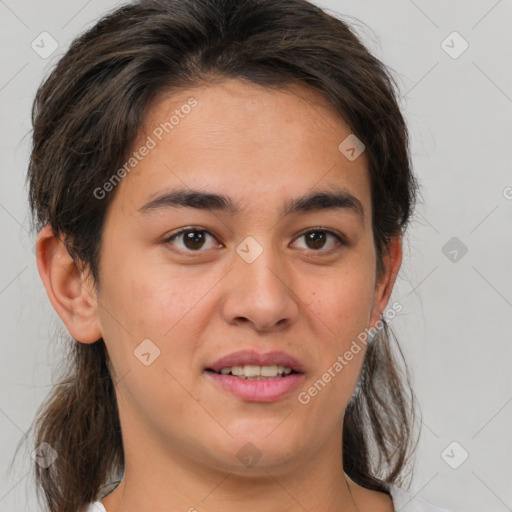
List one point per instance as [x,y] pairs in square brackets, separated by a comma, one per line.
[86,116]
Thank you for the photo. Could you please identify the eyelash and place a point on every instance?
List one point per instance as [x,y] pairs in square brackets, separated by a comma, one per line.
[339,238]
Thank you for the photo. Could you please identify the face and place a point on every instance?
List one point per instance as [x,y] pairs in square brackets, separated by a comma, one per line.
[258,271]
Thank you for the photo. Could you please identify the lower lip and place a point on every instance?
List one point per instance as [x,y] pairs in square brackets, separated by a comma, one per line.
[263,390]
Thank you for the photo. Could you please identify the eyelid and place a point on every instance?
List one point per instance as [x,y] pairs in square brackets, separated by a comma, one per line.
[341,239]
[338,236]
[181,231]
[329,231]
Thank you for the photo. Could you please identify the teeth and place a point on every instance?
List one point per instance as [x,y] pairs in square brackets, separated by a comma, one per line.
[250,371]
[270,371]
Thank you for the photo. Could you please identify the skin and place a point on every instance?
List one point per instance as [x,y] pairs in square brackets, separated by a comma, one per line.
[181,433]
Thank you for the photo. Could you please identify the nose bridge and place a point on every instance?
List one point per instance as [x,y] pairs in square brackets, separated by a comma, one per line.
[263,294]
[259,258]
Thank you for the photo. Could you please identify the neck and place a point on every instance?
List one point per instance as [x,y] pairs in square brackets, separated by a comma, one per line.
[158,480]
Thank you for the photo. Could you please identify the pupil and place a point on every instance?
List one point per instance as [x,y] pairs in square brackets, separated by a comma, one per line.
[194,239]
[317,237]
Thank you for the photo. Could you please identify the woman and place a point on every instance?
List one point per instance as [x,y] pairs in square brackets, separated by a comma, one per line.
[220,190]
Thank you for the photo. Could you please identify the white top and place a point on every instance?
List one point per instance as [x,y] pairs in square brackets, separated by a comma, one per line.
[402,502]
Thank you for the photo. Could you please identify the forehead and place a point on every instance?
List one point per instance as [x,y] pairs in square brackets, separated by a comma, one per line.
[248,96]
[242,139]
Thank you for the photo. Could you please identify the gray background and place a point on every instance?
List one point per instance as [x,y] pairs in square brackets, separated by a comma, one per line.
[456,323]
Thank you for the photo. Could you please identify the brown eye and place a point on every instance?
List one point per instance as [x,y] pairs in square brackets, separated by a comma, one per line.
[192,240]
[316,239]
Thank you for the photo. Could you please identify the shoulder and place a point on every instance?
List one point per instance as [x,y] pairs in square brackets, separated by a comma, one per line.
[406,502]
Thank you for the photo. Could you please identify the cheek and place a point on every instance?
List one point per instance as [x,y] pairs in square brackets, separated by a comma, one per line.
[159,306]
[341,309]
[343,301]
[132,309]
[167,308]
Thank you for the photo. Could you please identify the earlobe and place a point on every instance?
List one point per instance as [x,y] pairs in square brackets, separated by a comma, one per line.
[71,293]
[392,260]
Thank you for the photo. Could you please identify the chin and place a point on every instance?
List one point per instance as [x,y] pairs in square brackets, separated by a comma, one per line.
[253,451]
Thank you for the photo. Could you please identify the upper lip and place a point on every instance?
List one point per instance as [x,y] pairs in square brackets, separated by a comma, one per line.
[252,357]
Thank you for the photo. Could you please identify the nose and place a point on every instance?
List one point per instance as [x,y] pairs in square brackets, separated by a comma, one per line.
[259,291]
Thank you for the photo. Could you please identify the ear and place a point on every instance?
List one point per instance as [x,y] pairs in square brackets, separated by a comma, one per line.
[72,294]
[392,259]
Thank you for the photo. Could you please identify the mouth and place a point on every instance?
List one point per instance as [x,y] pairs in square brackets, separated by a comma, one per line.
[256,377]
[253,372]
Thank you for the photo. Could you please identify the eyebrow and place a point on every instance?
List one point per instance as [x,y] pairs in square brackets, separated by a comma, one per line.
[313,201]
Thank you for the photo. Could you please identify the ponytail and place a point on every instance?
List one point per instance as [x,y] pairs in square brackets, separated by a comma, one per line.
[80,421]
